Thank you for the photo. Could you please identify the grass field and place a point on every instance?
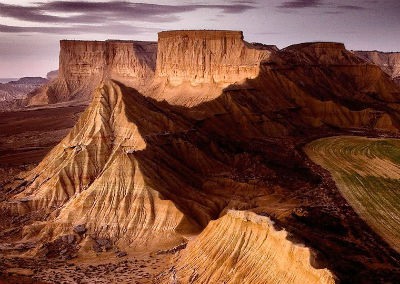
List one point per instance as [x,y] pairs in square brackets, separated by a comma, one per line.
[367,173]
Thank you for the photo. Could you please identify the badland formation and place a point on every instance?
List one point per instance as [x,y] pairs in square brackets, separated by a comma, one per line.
[182,161]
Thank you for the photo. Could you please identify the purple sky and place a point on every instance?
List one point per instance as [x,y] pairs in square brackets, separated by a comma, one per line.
[30,30]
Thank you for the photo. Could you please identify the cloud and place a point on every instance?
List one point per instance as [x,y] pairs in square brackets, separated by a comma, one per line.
[101,12]
[118,29]
[300,4]
[350,7]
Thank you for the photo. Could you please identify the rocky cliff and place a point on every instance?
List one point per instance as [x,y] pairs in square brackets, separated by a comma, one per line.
[200,63]
[84,64]
[207,57]
[388,61]
[194,66]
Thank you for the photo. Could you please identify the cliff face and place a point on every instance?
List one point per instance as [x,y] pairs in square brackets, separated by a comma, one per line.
[207,57]
[202,63]
[84,64]
[387,61]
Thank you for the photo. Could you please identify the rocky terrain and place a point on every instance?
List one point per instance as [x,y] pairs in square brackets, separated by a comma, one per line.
[388,61]
[202,147]
[13,94]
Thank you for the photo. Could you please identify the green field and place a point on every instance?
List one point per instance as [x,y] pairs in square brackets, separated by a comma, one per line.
[367,173]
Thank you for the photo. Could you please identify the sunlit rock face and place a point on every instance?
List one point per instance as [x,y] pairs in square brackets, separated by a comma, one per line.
[207,57]
[199,64]
[243,247]
[83,65]
[93,177]
[388,61]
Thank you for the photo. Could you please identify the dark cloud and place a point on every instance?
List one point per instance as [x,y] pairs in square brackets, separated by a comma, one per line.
[120,29]
[101,12]
[350,7]
[329,7]
[299,4]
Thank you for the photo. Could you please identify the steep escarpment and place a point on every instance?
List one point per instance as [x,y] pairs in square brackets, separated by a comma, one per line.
[242,247]
[84,64]
[194,66]
[387,61]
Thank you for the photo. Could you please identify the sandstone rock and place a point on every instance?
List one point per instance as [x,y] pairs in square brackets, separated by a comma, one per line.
[13,94]
[52,75]
[241,247]
[207,57]
[20,271]
[84,64]
[194,66]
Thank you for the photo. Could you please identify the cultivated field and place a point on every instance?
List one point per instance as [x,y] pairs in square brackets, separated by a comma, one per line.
[367,172]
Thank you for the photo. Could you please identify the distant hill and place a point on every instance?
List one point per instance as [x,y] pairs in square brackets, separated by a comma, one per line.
[15,91]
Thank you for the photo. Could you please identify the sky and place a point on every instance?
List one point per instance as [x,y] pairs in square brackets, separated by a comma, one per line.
[30,30]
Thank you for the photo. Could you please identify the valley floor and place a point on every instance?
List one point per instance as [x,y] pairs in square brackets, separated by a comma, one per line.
[367,172]
[103,268]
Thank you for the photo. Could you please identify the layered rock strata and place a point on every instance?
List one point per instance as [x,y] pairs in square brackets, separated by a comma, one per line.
[83,65]
[242,247]
[13,94]
[93,178]
[387,61]
[194,66]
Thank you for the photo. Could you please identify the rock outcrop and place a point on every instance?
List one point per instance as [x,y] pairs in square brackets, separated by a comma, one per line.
[387,61]
[83,65]
[207,57]
[92,177]
[243,247]
[194,66]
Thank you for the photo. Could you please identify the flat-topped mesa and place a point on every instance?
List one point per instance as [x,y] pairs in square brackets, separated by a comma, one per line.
[127,61]
[321,53]
[207,57]
[84,64]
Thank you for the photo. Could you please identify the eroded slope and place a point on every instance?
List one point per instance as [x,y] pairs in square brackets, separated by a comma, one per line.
[92,178]
[242,247]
